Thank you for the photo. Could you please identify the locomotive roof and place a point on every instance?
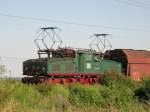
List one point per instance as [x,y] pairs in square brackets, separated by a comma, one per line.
[73,49]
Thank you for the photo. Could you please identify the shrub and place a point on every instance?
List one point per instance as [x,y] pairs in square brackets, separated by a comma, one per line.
[143,92]
[84,95]
[43,88]
[114,78]
[115,94]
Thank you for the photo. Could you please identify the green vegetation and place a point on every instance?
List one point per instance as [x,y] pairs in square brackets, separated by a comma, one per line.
[2,69]
[115,94]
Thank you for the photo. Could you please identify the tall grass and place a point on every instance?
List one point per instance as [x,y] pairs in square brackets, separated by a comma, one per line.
[115,94]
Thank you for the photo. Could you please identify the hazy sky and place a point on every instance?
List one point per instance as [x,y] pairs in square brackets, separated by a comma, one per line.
[17,34]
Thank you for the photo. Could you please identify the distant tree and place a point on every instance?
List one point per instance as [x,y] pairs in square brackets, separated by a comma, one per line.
[2,69]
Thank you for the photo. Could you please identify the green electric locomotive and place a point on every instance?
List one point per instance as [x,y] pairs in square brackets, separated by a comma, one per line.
[67,65]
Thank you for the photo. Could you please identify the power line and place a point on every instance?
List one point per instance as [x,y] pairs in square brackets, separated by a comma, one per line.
[73,23]
[10,57]
[135,3]
[139,2]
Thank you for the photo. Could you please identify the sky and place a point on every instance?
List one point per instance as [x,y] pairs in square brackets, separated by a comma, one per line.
[127,23]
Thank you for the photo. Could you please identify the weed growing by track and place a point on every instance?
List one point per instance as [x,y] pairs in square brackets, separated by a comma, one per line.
[116,93]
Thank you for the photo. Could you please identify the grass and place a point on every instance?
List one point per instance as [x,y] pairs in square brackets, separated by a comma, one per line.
[115,94]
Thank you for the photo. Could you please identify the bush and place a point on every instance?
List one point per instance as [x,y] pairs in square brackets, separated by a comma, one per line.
[84,95]
[115,78]
[143,92]
[115,94]
[43,88]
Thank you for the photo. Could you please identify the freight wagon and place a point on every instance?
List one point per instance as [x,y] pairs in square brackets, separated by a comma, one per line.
[135,63]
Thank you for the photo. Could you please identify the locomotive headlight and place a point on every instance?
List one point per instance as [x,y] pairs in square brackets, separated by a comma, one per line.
[43,68]
[26,68]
